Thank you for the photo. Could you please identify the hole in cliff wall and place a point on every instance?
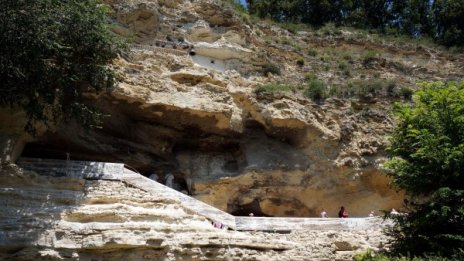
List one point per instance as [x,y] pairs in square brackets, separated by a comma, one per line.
[57,149]
[246,209]
[61,147]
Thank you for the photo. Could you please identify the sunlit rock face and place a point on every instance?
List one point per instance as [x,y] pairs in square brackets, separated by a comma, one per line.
[72,218]
[199,118]
[270,154]
[63,218]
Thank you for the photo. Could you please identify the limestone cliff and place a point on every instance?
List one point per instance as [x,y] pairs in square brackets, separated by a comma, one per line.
[195,113]
[198,117]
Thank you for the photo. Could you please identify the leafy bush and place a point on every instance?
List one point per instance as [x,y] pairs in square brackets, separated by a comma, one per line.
[51,52]
[300,62]
[273,88]
[271,68]
[427,149]
[316,89]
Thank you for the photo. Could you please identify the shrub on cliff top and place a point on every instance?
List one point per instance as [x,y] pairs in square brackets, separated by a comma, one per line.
[51,52]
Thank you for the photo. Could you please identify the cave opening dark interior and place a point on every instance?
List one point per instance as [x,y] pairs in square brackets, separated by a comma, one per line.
[247,209]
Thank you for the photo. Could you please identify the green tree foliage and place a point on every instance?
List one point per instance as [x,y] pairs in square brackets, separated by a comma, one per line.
[428,164]
[448,21]
[413,17]
[438,19]
[51,51]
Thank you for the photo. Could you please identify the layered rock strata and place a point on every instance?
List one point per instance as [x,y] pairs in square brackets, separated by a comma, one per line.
[71,218]
[272,154]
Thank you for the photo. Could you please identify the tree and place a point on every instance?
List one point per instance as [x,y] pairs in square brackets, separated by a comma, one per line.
[448,22]
[428,164]
[52,51]
[438,19]
[413,17]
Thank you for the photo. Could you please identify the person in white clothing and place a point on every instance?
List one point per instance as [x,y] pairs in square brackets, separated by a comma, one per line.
[324,214]
[169,180]
[153,177]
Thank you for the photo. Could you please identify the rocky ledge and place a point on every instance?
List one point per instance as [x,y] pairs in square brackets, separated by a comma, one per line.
[72,218]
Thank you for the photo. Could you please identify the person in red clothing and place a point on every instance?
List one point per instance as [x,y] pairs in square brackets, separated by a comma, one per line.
[342,213]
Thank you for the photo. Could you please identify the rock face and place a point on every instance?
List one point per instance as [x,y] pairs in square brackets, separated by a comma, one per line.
[71,218]
[200,119]
[270,154]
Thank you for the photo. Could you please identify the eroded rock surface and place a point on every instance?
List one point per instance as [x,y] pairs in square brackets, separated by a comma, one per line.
[65,218]
[272,154]
[200,119]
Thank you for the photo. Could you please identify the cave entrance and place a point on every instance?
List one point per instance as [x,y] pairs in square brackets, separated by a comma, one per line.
[247,209]
[60,150]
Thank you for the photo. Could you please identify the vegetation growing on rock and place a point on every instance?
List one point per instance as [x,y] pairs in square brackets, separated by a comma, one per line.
[51,52]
